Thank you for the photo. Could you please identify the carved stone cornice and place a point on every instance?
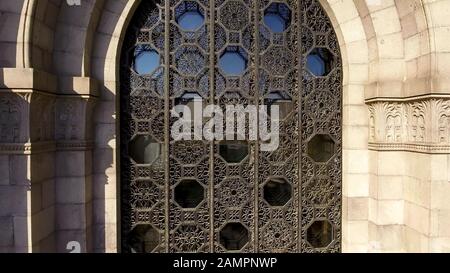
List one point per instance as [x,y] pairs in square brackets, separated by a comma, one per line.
[75,145]
[44,147]
[417,124]
[27,148]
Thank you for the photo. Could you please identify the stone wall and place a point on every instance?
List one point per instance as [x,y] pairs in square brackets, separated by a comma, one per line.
[58,86]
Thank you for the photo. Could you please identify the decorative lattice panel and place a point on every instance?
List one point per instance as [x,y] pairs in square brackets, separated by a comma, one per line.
[222,195]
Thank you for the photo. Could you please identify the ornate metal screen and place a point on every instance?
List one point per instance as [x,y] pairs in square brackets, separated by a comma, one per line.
[219,196]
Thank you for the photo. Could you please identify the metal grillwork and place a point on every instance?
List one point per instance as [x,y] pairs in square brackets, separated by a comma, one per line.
[221,196]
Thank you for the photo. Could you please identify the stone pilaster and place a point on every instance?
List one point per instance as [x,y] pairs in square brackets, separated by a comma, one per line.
[27,203]
[74,142]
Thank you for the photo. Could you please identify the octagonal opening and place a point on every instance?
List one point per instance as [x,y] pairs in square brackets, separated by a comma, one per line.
[234,236]
[320,234]
[233,151]
[146,60]
[320,62]
[143,239]
[321,148]
[189,194]
[143,149]
[189,16]
[277,192]
[284,103]
[233,61]
[277,17]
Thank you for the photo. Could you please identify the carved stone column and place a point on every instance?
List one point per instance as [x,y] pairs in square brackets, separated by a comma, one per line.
[74,138]
[411,137]
[27,204]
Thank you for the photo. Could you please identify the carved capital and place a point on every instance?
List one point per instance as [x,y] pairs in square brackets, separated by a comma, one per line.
[421,125]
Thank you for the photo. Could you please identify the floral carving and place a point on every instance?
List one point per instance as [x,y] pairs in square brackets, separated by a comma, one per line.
[413,125]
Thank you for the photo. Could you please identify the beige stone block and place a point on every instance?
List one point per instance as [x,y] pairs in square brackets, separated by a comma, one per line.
[386,21]
[409,25]
[111,238]
[354,248]
[373,210]
[353,30]
[356,185]
[415,241]
[417,217]
[110,211]
[356,137]
[442,223]
[373,186]
[358,209]
[391,238]
[440,167]
[390,212]
[440,192]
[358,52]
[390,187]
[357,74]
[417,165]
[356,161]
[391,46]
[353,95]
[440,245]
[357,232]
[417,191]
[412,47]
[356,115]
[391,163]
[391,69]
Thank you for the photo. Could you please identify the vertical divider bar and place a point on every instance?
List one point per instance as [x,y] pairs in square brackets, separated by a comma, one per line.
[256,167]
[167,117]
[300,148]
[212,95]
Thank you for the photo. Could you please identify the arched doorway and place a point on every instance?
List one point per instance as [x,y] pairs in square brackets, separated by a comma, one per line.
[230,195]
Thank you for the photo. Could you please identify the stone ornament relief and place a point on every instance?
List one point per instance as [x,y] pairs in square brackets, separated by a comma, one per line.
[10,118]
[54,123]
[421,126]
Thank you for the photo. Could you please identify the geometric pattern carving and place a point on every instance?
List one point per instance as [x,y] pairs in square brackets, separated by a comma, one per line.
[220,196]
[234,15]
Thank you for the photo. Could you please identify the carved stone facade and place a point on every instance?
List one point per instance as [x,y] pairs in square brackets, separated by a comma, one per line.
[59,118]
[421,125]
